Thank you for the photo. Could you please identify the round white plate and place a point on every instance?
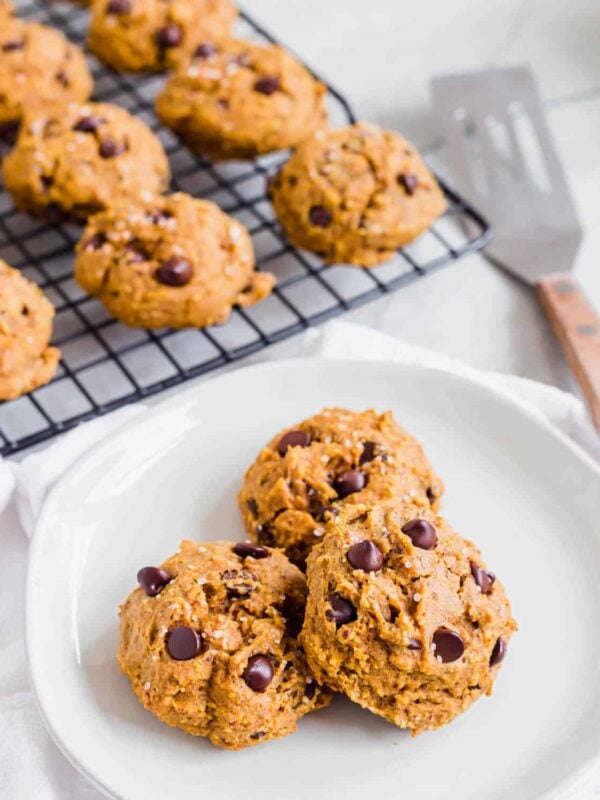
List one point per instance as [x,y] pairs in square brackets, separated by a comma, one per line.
[527,497]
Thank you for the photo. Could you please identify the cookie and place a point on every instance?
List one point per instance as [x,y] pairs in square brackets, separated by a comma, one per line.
[169,262]
[308,473]
[238,100]
[209,643]
[6,9]
[38,66]
[136,35]
[355,195]
[26,360]
[72,162]
[403,616]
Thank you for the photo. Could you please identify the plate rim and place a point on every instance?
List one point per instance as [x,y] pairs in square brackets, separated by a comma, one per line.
[561,791]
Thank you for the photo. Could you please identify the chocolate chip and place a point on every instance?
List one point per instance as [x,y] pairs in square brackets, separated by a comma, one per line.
[247,550]
[268,85]
[341,611]
[153,580]
[14,44]
[184,643]
[118,7]
[422,533]
[498,653]
[205,50]
[322,513]
[310,688]
[350,482]
[95,242]
[365,555]
[111,149]
[448,645]
[409,182]
[292,439]
[414,644]
[63,78]
[293,612]
[320,216]
[9,131]
[257,735]
[485,580]
[169,36]
[55,215]
[88,124]
[134,255]
[252,506]
[175,271]
[259,673]
[368,452]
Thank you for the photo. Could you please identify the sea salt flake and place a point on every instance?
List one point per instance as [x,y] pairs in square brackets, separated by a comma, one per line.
[416,597]
[147,686]
[217,634]
[318,532]
[201,581]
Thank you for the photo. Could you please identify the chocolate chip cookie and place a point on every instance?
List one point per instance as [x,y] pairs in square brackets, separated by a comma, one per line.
[403,615]
[209,643]
[308,473]
[237,100]
[355,195]
[136,35]
[38,66]
[26,360]
[169,262]
[71,162]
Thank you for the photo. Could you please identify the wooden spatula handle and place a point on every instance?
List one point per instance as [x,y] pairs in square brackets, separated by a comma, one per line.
[577,327]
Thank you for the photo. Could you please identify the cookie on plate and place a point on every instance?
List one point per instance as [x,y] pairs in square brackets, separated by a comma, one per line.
[26,360]
[355,195]
[72,162]
[238,100]
[403,616]
[169,262]
[307,473]
[209,643]
[38,65]
[136,35]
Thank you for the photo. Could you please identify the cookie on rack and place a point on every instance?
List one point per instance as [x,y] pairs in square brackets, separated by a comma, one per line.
[307,473]
[38,65]
[209,643]
[403,616]
[138,35]
[355,195]
[26,359]
[71,162]
[238,100]
[169,262]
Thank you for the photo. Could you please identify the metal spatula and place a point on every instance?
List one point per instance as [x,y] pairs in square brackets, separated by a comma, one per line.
[503,159]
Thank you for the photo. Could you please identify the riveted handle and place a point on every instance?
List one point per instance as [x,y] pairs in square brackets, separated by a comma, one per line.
[577,327]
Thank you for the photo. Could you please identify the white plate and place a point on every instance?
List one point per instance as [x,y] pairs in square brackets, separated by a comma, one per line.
[528,497]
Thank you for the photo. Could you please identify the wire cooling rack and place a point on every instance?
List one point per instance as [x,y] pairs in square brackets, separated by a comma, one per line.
[106,364]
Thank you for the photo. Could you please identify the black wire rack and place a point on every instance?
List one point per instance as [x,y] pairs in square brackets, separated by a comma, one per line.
[105,364]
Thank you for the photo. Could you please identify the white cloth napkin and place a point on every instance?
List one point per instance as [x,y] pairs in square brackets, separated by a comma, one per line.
[31,767]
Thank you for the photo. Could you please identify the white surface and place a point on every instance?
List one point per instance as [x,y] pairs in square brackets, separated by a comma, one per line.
[527,498]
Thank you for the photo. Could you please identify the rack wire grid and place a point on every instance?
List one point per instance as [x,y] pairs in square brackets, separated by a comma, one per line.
[105,364]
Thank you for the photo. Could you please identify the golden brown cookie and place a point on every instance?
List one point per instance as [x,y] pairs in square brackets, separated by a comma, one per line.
[403,615]
[355,195]
[6,9]
[307,473]
[237,100]
[209,643]
[169,262]
[135,35]
[38,65]
[72,162]
[26,360]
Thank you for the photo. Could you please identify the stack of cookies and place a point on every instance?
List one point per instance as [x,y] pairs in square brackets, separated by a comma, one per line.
[352,195]
[351,582]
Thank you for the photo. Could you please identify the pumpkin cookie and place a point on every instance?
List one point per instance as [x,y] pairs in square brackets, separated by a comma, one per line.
[403,615]
[38,65]
[209,643]
[136,35]
[169,262]
[237,100]
[73,162]
[355,195]
[26,361]
[307,473]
